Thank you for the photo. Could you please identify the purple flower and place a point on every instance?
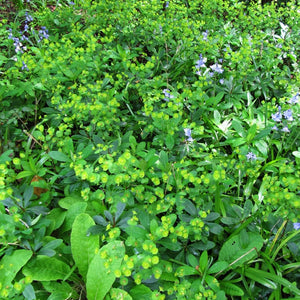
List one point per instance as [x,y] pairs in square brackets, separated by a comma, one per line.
[188,134]
[288,115]
[285,129]
[277,116]
[168,96]
[28,18]
[43,33]
[294,99]
[201,62]
[205,34]
[217,68]
[275,128]
[24,66]
[71,3]
[167,4]
[296,226]
[221,81]
[251,156]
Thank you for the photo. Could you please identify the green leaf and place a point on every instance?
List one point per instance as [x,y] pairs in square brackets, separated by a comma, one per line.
[24,174]
[59,156]
[56,217]
[136,232]
[45,268]
[153,226]
[83,247]
[163,157]
[119,294]
[59,289]
[244,238]
[233,253]
[68,201]
[238,128]
[213,284]
[29,293]
[11,265]
[4,157]
[203,261]
[186,271]
[100,276]
[170,141]
[235,142]
[190,208]
[215,228]
[260,278]
[72,213]
[120,209]
[231,289]
[217,117]
[193,261]
[212,216]
[251,133]
[168,244]
[219,266]
[141,292]
[262,147]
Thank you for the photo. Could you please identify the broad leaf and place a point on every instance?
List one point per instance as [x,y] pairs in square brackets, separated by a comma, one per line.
[236,252]
[101,276]
[45,268]
[59,156]
[11,265]
[83,247]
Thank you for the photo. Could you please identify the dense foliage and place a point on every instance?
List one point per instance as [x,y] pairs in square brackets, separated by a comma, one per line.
[149,150]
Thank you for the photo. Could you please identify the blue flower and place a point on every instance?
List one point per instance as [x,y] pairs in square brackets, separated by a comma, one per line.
[277,116]
[275,128]
[24,66]
[71,3]
[285,129]
[188,134]
[43,33]
[217,68]
[221,81]
[28,18]
[296,226]
[251,156]
[288,115]
[167,4]
[201,62]
[294,99]
[205,34]
[168,95]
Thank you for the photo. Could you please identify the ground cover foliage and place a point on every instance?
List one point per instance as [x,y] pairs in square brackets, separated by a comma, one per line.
[149,150]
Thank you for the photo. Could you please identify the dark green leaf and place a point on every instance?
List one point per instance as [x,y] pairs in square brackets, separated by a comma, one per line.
[59,156]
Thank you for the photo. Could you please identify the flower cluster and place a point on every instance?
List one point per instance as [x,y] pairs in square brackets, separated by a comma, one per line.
[282,117]
[17,42]
[42,34]
[215,68]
